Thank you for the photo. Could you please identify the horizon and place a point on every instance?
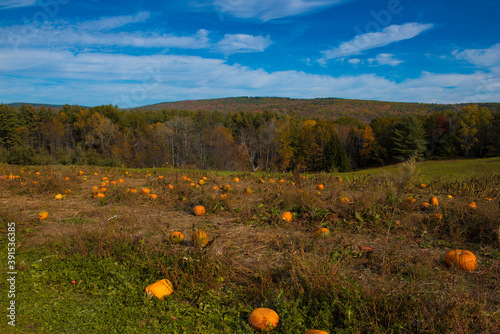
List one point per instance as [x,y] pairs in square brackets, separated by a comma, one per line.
[36,104]
[133,54]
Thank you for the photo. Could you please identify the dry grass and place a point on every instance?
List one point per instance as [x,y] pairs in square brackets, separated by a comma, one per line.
[259,255]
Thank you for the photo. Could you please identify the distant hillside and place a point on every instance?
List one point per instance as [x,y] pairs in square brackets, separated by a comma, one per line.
[53,106]
[325,108]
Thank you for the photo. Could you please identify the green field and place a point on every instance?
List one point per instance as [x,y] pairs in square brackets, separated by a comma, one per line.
[443,170]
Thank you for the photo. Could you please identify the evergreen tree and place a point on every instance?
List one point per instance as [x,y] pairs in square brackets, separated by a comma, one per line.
[408,138]
[334,155]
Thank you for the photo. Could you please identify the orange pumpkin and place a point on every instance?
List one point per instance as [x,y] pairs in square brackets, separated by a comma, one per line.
[120,180]
[438,216]
[177,238]
[410,200]
[315,331]
[472,205]
[59,196]
[434,201]
[200,238]
[321,187]
[160,289]
[287,216]
[43,215]
[199,210]
[344,199]
[236,179]
[464,259]
[263,319]
[423,185]
[248,191]
[322,233]
[145,191]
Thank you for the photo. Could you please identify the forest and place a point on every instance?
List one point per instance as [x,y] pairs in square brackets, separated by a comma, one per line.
[263,140]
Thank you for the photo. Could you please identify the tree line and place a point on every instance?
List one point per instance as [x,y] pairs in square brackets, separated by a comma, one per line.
[247,141]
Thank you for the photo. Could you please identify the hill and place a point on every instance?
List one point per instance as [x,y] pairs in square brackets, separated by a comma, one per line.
[325,108]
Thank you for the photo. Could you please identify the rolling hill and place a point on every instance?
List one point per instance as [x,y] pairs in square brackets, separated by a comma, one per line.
[325,108]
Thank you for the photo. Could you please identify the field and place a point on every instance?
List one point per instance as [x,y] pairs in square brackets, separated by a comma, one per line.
[84,268]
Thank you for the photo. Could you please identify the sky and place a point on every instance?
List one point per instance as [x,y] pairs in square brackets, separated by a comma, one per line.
[134,53]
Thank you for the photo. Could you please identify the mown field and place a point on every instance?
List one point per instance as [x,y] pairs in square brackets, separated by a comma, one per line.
[84,268]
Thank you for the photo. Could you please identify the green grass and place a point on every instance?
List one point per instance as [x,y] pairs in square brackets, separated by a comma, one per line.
[443,170]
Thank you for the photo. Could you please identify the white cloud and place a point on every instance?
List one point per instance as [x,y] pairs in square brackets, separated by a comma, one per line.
[240,43]
[354,61]
[106,23]
[480,57]
[92,78]
[270,9]
[6,4]
[385,59]
[388,35]
[97,33]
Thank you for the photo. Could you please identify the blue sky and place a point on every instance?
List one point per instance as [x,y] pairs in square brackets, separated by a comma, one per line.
[133,53]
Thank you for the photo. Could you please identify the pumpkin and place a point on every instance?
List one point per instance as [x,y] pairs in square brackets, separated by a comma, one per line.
[321,187]
[287,216]
[449,196]
[322,233]
[133,191]
[410,200]
[201,182]
[464,259]
[344,199]
[425,206]
[120,180]
[200,238]
[438,216]
[176,238]
[170,186]
[59,196]
[223,197]
[434,201]
[80,173]
[145,191]
[263,319]
[472,205]
[248,191]
[66,178]
[315,331]
[153,196]
[423,185]
[100,195]
[488,199]
[160,176]
[160,289]
[338,178]
[236,179]
[43,215]
[199,210]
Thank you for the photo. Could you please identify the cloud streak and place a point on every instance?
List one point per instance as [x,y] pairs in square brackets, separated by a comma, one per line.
[363,42]
[242,43]
[481,57]
[271,9]
[7,4]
